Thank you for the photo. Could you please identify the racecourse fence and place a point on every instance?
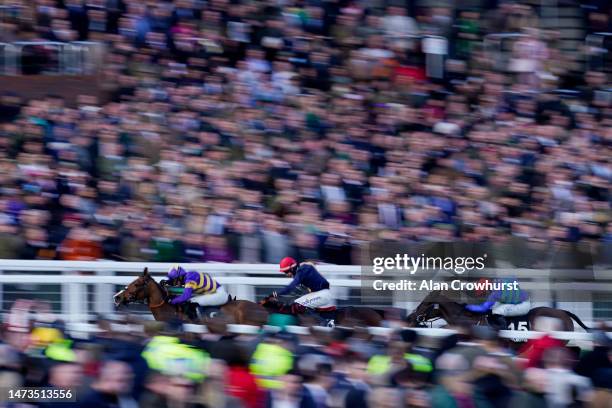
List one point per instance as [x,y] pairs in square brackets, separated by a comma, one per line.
[79,290]
[581,339]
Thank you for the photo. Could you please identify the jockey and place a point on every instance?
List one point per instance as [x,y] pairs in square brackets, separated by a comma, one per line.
[305,274]
[207,291]
[504,302]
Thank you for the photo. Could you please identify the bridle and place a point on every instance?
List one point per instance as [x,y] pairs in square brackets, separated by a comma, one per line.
[144,287]
[422,318]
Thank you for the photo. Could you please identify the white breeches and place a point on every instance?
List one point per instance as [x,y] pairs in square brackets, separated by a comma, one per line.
[506,309]
[218,298]
[315,300]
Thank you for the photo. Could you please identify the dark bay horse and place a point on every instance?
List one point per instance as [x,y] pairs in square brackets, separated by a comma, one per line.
[146,290]
[349,316]
[437,306]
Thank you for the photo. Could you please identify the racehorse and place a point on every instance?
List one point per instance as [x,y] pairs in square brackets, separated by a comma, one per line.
[145,289]
[436,306]
[349,316]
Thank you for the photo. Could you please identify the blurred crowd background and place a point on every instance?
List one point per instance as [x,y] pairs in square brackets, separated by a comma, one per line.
[245,131]
[121,364]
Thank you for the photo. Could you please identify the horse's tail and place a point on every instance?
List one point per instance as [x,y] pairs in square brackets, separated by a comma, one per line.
[577,320]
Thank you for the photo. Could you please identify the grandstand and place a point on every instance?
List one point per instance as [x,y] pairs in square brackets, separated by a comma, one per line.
[225,135]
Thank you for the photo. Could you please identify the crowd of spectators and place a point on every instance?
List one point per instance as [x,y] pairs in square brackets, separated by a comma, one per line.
[162,366]
[243,131]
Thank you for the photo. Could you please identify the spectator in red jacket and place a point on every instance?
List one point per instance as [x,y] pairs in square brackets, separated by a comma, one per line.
[239,382]
[534,350]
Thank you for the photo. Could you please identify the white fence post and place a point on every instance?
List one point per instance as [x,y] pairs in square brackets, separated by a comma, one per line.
[70,301]
[102,293]
[74,300]
[246,292]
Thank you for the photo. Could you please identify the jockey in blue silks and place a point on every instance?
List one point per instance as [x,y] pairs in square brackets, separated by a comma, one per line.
[505,302]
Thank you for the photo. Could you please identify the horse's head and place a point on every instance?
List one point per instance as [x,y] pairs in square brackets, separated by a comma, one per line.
[136,291]
[267,301]
[424,312]
[427,310]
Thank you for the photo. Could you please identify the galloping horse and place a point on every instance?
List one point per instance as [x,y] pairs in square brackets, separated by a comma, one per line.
[349,316]
[145,289]
[437,306]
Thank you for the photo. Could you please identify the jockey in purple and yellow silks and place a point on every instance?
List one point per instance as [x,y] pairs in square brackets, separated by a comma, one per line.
[200,287]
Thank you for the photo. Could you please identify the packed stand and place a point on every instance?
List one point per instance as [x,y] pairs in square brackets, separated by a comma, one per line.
[122,364]
[248,131]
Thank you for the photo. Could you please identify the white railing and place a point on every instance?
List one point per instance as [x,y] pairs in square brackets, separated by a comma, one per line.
[77,295]
[85,330]
[159,267]
[73,299]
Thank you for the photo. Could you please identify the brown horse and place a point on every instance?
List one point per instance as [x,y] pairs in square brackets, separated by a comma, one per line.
[146,290]
[436,306]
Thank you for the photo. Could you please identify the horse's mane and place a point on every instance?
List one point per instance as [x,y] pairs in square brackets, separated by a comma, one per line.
[162,289]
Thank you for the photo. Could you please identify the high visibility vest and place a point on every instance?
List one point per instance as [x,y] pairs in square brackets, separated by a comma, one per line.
[169,356]
[380,364]
[60,350]
[269,363]
[419,363]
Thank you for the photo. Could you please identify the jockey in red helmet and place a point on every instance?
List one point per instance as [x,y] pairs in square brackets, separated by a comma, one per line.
[480,291]
[305,274]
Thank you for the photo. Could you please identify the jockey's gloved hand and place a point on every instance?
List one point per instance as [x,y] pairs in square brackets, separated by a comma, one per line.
[164,282]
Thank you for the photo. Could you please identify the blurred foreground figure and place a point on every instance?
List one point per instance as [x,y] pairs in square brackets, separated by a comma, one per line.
[564,388]
[112,388]
[169,392]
